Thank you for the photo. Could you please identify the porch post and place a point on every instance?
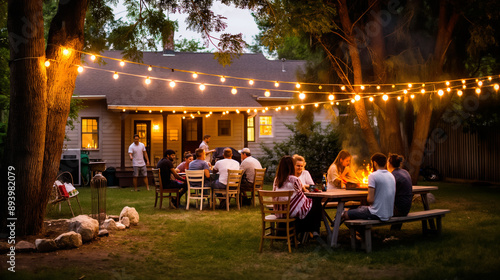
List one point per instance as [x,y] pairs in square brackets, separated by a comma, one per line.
[165,115]
[245,130]
[122,142]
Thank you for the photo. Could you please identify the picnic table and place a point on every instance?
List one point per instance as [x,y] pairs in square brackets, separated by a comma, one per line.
[341,196]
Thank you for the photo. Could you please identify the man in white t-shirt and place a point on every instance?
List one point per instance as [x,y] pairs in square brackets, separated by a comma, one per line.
[137,153]
[248,164]
[204,146]
[221,167]
[381,193]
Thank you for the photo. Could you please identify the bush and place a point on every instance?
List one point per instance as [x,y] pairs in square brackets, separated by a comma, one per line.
[319,146]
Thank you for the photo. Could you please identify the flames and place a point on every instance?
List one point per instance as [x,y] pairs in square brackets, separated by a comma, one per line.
[367,170]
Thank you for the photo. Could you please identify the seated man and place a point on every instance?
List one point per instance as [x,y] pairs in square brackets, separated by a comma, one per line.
[381,193]
[221,167]
[248,165]
[167,171]
[200,164]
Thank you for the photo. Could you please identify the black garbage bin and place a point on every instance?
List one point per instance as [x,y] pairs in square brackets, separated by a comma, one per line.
[110,175]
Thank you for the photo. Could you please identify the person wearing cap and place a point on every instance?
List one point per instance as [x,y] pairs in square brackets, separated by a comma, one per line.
[167,170]
[248,164]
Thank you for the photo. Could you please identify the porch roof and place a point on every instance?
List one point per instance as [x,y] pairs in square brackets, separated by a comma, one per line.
[131,92]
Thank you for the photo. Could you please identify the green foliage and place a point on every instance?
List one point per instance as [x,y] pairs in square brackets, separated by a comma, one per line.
[192,45]
[319,146]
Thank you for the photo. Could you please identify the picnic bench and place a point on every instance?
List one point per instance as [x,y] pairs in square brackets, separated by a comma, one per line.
[365,226]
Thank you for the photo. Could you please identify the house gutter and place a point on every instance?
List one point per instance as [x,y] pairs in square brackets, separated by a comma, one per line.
[89,97]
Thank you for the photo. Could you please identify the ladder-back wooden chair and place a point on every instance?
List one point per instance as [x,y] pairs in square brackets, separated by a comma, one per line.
[161,192]
[276,218]
[201,191]
[232,189]
[258,182]
[63,190]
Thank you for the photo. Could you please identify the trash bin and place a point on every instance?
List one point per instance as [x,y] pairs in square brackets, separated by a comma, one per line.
[110,174]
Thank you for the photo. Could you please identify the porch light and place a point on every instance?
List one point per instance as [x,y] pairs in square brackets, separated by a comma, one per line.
[440,92]
[385,97]
[47,63]
[115,75]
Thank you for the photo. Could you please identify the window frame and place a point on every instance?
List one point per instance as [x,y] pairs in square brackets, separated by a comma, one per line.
[89,133]
[230,128]
[252,128]
[272,126]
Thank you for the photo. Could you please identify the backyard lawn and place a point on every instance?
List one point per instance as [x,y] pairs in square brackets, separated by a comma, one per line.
[180,244]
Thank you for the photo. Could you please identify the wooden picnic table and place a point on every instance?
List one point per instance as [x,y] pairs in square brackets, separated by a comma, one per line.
[342,195]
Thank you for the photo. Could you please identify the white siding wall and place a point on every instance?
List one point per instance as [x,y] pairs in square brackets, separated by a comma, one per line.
[236,140]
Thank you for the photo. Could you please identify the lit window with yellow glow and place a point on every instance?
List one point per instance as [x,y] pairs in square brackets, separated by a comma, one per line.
[90,133]
[251,129]
[266,126]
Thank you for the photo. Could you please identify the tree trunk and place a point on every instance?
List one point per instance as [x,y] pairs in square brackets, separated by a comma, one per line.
[28,115]
[420,135]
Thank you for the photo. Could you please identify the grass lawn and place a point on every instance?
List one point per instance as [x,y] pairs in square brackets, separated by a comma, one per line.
[180,244]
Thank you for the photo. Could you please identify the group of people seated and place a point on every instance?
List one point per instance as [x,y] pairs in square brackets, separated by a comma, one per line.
[172,180]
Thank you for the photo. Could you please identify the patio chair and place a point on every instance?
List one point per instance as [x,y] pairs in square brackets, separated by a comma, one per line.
[277,216]
[161,192]
[232,189]
[258,183]
[201,191]
[63,190]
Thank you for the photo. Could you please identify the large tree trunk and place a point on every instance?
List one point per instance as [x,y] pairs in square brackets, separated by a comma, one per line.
[359,106]
[27,117]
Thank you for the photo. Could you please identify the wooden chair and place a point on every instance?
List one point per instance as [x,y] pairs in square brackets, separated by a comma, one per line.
[161,192]
[197,177]
[232,189]
[258,183]
[277,216]
[57,196]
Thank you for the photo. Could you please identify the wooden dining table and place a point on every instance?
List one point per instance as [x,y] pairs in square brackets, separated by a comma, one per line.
[341,196]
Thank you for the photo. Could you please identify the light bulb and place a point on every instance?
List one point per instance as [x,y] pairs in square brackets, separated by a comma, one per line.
[331,97]
[276,84]
[65,51]
[122,63]
[378,87]
[80,69]
[478,90]
[440,92]
[320,87]
[410,85]
[393,86]
[171,84]
[412,96]
[463,81]
[385,97]
[237,111]
[234,90]
[489,78]
[222,79]
[342,88]
[480,83]
[250,82]
[447,83]
[195,75]
[47,63]
[459,93]
[148,81]
[123,110]
[302,96]
[371,98]
[202,87]
[115,75]
[448,89]
[316,105]
[92,57]
[297,85]
[405,91]
[357,97]
[150,68]
[286,108]
[267,93]
[464,86]
[362,87]
[302,107]
[352,100]
[422,90]
[149,111]
[399,97]
[496,87]
[293,107]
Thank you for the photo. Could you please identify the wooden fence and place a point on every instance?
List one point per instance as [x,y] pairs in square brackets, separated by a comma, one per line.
[459,155]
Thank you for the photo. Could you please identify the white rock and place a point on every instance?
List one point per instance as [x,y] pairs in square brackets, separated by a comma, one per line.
[125,221]
[109,224]
[69,240]
[131,213]
[45,245]
[25,246]
[103,233]
[120,226]
[84,225]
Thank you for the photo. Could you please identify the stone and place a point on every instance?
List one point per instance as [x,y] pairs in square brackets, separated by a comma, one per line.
[109,224]
[120,226]
[103,233]
[131,213]
[25,246]
[114,217]
[125,221]
[87,227]
[45,245]
[69,240]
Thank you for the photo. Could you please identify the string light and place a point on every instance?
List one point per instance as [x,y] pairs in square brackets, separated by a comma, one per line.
[362,87]
[316,105]
[123,110]
[286,108]
[248,111]
[267,93]
[173,111]
[148,81]
[378,87]
[115,75]
[337,103]
[447,83]
[65,51]
[331,97]
[150,111]
[399,97]
[393,86]
[478,90]
[320,87]
[302,96]
[222,79]
[297,85]
[276,84]
[480,83]
[371,98]
[122,63]
[412,96]
[302,107]
[255,110]
[234,90]
[385,97]
[423,85]
[440,92]
[202,87]
[251,82]
[185,112]
[80,69]
[172,84]
[237,111]
[410,85]
[150,68]
[342,88]
[92,57]
[496,87]
[195,75]
[489,78]
[464,86]
[405,91]
[357,97]
[47,63]
[422,90]
[352,100]
[448,89]
[161,111]
[463,81]
[459,93]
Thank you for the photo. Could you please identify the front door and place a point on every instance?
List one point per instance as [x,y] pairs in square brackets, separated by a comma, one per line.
[143,129]
[192,133]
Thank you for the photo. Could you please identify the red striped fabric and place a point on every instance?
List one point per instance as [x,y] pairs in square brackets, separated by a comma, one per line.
[299,204]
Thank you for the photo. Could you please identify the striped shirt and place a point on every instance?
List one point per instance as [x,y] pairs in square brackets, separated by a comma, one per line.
[300,204]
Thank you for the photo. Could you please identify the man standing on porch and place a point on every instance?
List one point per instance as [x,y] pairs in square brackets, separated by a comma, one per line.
[137,153]
[204,146]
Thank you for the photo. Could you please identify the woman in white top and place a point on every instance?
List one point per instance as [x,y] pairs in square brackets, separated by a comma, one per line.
[340,172]
[303,175]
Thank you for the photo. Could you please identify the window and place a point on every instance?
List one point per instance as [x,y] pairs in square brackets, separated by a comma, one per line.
[90,133]
[251,129]
[266,126]
[224,127]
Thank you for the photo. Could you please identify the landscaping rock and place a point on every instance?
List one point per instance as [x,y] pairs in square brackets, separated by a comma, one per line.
[84,225]
[69,240]
[25,246]
[131,213]
[125,221]
[45,245]
[109,224]
[103,233]
[114,217]
[120,226]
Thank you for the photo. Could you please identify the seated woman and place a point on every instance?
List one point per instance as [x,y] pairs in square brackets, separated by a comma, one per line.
[340,172]
[404,187]
[301,173]
[188,157]
[307,211]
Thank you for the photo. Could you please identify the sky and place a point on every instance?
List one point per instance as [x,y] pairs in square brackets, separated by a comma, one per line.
[238,21]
